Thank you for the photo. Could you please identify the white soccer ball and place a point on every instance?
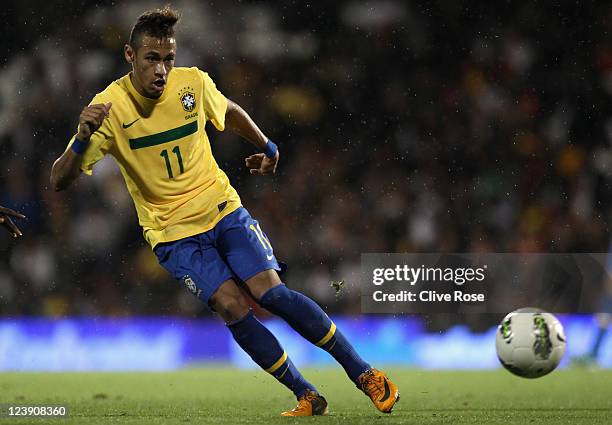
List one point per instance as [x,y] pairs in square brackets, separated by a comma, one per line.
[530,342]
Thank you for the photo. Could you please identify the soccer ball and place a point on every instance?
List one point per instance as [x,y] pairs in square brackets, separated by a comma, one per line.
[530,342]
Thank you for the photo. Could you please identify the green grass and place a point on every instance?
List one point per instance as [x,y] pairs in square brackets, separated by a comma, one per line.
[229,396]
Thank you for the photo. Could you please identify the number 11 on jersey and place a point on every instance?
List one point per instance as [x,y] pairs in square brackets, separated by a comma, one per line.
[166,156]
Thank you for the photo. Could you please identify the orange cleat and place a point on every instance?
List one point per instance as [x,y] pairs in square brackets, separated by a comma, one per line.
[310,404]
[383,393]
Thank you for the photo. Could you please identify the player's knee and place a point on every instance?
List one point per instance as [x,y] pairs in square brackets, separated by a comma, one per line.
[278,295]
[262,283]
[231,307]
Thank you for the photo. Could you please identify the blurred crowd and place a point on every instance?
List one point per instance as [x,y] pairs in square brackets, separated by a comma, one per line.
[449,126]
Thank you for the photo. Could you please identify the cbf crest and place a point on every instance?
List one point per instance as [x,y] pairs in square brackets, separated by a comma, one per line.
[188,99]
[191,286]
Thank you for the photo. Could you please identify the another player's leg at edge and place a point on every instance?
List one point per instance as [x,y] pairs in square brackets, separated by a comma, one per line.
[310,321]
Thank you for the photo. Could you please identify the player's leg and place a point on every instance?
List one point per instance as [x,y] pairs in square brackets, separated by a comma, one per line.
[603,322]
[249,253]
[197,264]
[309,320]
[265,350]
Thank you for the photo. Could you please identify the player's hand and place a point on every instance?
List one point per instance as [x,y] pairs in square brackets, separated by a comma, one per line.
[260,165]
[5,221]
[91,119]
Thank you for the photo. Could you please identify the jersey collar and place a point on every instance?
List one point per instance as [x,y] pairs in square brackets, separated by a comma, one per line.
[146,100]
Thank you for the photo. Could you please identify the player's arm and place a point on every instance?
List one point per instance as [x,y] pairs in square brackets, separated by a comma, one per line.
[67,167]
[242,124]
[7,222]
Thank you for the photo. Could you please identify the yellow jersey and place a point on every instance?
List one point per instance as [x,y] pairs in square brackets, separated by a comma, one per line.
[164,154]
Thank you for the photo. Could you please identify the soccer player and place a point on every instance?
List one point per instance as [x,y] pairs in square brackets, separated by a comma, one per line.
[7,222]
[152,123]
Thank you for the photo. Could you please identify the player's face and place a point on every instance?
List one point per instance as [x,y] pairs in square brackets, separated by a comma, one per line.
[152,63]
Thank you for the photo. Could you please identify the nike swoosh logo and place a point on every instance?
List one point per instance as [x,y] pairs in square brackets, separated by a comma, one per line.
[387,392]
[269,257]
[130,124]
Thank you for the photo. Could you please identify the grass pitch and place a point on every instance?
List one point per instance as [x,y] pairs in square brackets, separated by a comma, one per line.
[230,396]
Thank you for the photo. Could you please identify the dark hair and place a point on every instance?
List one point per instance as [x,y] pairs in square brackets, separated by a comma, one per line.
[158,23]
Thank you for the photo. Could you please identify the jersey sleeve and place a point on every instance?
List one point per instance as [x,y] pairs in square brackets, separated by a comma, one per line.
[99,143]
[215,103]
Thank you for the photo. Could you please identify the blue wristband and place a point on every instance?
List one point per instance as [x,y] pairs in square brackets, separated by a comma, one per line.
[79,146]
[270,149]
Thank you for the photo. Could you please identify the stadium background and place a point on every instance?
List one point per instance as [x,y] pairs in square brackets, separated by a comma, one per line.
[444,127]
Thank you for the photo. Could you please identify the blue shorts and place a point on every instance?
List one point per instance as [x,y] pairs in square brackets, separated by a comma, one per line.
[236,248]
